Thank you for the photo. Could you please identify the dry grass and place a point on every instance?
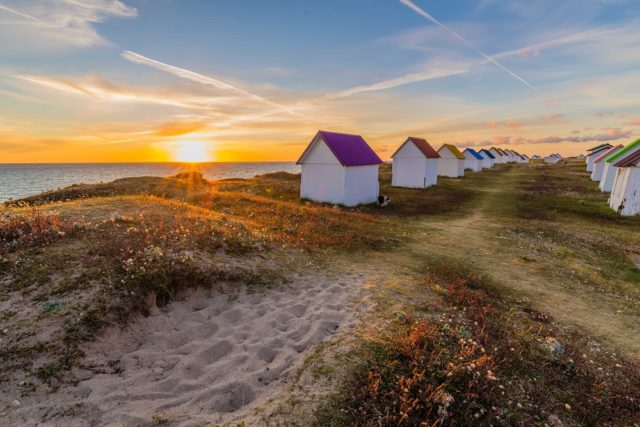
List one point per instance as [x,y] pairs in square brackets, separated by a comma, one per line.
[67,274]
[482,362]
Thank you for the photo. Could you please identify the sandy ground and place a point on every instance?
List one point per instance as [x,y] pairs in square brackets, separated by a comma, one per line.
[206,359]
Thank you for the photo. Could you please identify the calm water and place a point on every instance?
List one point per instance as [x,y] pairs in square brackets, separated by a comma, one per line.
[21,180]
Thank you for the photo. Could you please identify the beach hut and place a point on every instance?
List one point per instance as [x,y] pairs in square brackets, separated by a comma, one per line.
[610,170]
[473,160]
[595,153]
[552,159]
[517,157]
[536,157]
[598,162]
[415,164]
[489,159]
[625,195]
[581,157]
[525,158]
[498,154]
[598,147]
[451,162]
[339,168]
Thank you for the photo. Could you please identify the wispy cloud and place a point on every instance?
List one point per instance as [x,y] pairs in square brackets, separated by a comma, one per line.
[43,25]
[430,18]
[200,78]
[435,73]
[100,89]
[609,134]
[21,14]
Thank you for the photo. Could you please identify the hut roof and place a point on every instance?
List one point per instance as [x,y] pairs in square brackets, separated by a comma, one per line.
[607,153]
[486,152]
[597,147]
[422,144]
[614,157]
[596,153]
[628,156]
[350,150]
[453,150]
[474,153]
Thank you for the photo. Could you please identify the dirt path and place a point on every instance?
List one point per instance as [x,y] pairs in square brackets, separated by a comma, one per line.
[475,239]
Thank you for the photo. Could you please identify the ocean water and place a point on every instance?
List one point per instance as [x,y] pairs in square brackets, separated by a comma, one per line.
[21,180]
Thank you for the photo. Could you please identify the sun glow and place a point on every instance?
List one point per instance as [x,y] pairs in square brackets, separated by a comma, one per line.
[192,152]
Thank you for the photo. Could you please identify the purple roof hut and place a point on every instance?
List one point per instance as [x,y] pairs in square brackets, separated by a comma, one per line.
[339,168]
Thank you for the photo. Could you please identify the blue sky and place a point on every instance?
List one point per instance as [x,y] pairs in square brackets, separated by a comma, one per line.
[107,80]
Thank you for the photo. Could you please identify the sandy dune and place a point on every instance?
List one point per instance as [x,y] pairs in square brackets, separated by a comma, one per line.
[203,360]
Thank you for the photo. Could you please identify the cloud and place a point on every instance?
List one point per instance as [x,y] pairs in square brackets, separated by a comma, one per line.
[177,128]
[100,89]
[634,122]
[52,25]
[551,117]
[199,78]
[610,134]
[509,124]
[431,74]
[488,58]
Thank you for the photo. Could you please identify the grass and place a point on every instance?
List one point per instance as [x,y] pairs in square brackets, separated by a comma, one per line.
[102,269]
[476,360]
[565,191]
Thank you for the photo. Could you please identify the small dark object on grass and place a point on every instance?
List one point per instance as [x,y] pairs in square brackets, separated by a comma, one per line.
[383,200]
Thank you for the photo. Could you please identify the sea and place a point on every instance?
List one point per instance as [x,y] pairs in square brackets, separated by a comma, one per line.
[18,180]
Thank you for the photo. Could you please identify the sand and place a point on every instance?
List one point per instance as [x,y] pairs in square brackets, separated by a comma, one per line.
[206,359]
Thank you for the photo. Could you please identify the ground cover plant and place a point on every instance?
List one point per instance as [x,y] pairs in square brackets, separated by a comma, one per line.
[477,360]
[66,275]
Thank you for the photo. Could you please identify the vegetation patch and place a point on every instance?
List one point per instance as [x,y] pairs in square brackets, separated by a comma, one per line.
[481,363]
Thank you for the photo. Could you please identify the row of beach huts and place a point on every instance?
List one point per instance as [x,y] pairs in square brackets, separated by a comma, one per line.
[617,169]
[342,169]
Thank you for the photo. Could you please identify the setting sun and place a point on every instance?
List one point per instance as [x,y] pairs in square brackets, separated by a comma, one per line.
[192,152]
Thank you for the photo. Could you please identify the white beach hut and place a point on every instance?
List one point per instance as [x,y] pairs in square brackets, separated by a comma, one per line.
[339,168]
[592,149]
[552,158]
[500,155]
[473,160]
[536,157]
[625,195]
[489,159]
[451,162]
[415,164]
[594,154]
[610,171]
[599,163]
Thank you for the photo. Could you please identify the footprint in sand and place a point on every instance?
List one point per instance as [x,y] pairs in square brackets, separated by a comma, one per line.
[298,310]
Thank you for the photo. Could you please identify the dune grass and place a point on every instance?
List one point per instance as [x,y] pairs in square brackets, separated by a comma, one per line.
[475,360]
[75,267]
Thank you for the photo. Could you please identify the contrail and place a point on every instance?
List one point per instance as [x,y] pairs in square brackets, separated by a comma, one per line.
[426,15]
[24,15]
[400,81]
[199,78]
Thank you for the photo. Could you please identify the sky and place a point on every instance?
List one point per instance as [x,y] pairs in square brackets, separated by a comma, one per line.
[253,80]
